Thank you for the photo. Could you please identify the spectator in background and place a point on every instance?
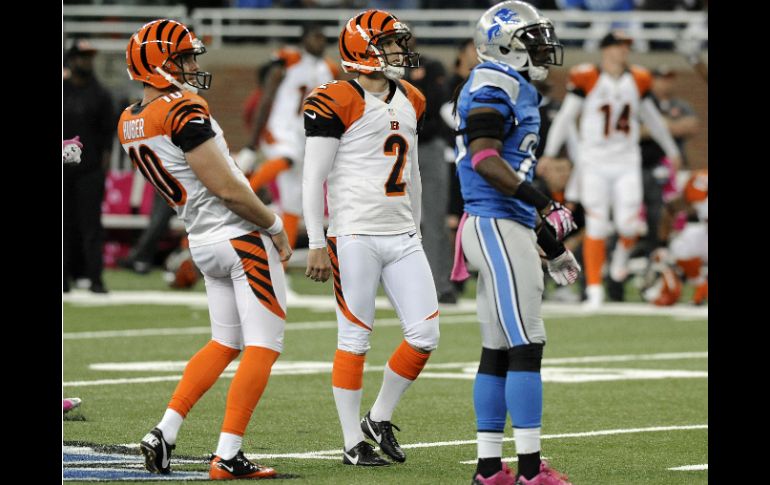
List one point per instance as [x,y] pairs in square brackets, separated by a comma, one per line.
[87,111]
[394,5]
[430,79]
[141,256]
[597,28]
[657,172]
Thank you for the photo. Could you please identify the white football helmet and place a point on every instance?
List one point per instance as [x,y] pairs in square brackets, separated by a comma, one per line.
[517,34]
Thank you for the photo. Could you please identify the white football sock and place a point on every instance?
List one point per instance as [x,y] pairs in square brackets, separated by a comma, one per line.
[170,425]
[489,445]
[393,387]
[229,445]
[527,440]
[349,410]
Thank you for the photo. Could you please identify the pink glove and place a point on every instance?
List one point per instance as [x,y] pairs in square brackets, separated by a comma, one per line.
[75,140]
[561,221]
[670,190]
[70,151]
[564,269]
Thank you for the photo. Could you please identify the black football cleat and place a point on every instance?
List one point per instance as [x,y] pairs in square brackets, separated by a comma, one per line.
[382,433]
[363,454]
[157,452]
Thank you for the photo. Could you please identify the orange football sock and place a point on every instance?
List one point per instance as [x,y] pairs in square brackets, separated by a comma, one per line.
[627,242]
[404,366]
[701,293]
[200,374]
[691,267]
[407,362]
[268,171]
[594,254]
[248,384]
[348,370]
[290,225]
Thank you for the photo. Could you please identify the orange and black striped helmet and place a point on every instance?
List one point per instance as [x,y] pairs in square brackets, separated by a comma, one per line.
[155,55]
[361,40]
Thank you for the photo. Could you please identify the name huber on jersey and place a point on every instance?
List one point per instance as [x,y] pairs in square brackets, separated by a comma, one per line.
[133,129]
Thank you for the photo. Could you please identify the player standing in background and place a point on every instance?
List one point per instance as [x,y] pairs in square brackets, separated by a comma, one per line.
[690,248]
[362,141]
[610,98]
[236,242]
[293,75]
[498,125]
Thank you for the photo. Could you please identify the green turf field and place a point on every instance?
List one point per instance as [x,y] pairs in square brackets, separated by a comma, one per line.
[625,396]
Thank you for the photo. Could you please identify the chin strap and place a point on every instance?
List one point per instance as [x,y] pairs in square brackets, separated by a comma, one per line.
[394,73]
[168,77]
[538,73]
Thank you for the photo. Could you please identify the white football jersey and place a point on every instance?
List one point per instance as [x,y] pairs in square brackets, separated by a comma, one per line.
[303,73]
[609,120]
[369,186]
[152,135]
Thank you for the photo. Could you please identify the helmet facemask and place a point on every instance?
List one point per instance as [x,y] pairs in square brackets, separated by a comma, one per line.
[394,64]
[534,47]
[174,69]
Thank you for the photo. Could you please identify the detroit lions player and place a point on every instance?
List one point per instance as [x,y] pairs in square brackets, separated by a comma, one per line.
[498,123]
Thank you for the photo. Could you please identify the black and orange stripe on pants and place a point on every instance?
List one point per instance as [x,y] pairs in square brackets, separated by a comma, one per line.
[331,248]
[251,250]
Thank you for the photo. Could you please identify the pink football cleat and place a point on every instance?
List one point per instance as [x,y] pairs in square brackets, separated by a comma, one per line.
[69,404]
[547,476]
[503,477]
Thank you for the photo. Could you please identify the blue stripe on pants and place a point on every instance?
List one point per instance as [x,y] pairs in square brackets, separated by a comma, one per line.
[503,283]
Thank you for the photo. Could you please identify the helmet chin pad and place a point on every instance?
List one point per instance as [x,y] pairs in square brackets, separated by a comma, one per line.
[538,73]
[393,72]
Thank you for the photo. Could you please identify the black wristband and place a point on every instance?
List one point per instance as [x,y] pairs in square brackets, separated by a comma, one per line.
[529,194]
[546,239]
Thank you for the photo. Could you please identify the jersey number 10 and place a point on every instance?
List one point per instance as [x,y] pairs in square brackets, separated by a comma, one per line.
[148,162]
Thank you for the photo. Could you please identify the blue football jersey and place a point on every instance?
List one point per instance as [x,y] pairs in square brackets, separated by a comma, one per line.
[499,86]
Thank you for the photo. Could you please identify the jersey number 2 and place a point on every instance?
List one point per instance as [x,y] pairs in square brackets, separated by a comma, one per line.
[149,164]
[396,146]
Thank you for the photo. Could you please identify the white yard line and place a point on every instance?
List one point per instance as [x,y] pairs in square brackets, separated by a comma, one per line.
[626,358]
[690,468]
[467,370]
[308,325]
[327,302]
[178,365]
[323,454]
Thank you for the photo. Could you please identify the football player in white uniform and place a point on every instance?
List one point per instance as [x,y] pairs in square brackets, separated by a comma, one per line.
[689,249]
[610,99]
[236,242]
[362,141]
[294,74]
